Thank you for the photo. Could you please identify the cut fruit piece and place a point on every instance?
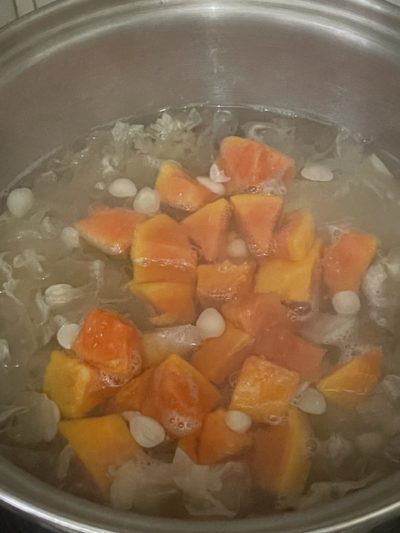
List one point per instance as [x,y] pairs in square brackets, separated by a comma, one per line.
[351,382]
[345,262]
[220,282]
[189,445]
[292,280]
[75,387]
[249,163]
[110,343]
[286,349]
[131,396]
[264,390]
[208,228]
[110,229]
[179,397]
[256,216]
[173,302]
[218,357]
[219,443]
[280,460]
[101,444]
[295,237]
[161,251]
[179,190]
[256,312]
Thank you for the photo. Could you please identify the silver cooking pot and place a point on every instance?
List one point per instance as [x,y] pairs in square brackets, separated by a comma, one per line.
[81,63]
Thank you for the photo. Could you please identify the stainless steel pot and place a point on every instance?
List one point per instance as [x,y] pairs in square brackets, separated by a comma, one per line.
[81,63]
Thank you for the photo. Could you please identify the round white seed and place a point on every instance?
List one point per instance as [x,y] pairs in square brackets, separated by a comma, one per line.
[146,431]
[238,421]
[317,172]
[20,202]
[122,188]
[312,402]
[70,237]
[147,201]
[237,248]
[67,334]
[211,323]
[346,303]
[208,183]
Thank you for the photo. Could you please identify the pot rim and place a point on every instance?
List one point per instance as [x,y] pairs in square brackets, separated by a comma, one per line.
[22,491]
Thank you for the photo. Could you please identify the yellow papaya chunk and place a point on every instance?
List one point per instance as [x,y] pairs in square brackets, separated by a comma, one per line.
[179,190]
[264,390]
[217,442]
[280,458]
[292,280]
[161,251]
[351,382]
[74,386]
[295,237]
[130,397]
[101,443]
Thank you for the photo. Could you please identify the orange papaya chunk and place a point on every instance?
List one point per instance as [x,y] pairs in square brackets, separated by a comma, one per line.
[172,302]
[161,251]
[110,343]
[249,163]
[130,397]
[179,190]
[218,357]
[208,228]
[256,312]
[75,387]
[110,229]
[101,443]
[264,390]
[189,445]
[220,282]
[351,382]
[346,261]
[280,459]
[217,442]
[256,216]
[283,347]
[292,280]
[179,397]
[295,237]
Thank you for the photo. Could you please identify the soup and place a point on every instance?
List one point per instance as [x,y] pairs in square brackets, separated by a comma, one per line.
[198,315]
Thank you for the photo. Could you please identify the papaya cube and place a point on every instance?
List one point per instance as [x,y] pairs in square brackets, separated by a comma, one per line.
[110,343]
[161,251]
[189,445]
[179,397]
[75,387]
[130,397]
[351,382]
[280,460]
[208,228]
[256,312]
[249,163]
[101,443]
[220,282]
[172,302]
[218,357]
[111,230]
[292,280]
[256,216]
[285,348]
[295,237]
[217,442]
[179,190]
[346,261]
[264,390]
